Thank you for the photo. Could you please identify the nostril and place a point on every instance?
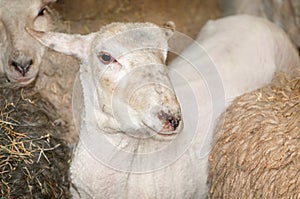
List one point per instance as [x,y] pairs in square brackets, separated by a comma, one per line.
[30,62]
[170,120]
[174,122]
[22,67]
[15,64]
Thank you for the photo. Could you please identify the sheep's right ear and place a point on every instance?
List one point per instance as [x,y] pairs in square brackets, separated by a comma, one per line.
[70,44]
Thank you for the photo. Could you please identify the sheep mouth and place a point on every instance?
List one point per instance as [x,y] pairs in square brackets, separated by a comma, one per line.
[166,136]
[169,130]
[166,132]
[22,80]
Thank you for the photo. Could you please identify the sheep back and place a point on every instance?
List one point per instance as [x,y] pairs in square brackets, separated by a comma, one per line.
[256,150]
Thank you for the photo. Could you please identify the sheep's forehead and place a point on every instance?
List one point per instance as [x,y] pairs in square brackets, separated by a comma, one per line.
[16,4]
[21,7]
[123,38]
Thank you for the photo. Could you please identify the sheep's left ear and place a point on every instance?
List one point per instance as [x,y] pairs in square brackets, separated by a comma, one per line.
[169,28]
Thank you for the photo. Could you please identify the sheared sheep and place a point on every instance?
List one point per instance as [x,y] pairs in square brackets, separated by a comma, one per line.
[24,60]
[131,143]
[285,14]
[256,151]
[34,160]
[245,53]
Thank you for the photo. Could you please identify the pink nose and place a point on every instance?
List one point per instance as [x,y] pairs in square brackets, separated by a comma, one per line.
[171,121]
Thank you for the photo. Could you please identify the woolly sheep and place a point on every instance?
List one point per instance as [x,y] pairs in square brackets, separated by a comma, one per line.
[256,148]
[284,13]
[52,73]
[115,158]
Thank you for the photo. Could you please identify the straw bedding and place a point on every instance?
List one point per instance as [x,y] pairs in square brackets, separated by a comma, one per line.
[34,161]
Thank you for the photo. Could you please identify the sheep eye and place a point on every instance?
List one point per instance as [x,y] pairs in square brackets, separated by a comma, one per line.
[42,12]
[105,58]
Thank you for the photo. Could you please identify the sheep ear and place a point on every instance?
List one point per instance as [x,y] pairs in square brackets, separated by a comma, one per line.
[70,44]
[169,28]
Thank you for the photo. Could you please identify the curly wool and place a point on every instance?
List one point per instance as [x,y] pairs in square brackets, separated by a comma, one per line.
[256,150]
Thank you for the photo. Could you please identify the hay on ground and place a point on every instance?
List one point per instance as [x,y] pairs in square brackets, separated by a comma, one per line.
[34,161]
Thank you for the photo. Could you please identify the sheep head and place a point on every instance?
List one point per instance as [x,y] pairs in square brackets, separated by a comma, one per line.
[126,62]
[20,54]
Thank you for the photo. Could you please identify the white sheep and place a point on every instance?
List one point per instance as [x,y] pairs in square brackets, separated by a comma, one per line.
[24,60]
[246,52]
[132,143]
[21,55]
[285,14]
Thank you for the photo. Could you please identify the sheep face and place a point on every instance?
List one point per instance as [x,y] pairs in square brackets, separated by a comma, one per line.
[127,67]
[20,54]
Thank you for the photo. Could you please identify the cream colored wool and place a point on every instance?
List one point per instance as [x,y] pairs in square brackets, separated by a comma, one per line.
[256,150]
